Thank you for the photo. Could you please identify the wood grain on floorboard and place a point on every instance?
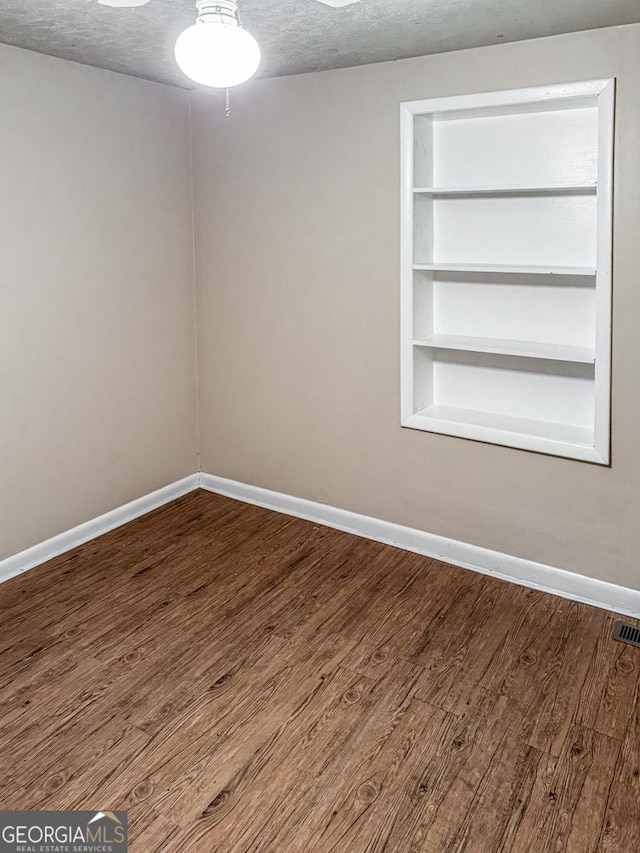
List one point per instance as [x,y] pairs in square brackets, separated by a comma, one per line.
[241,681]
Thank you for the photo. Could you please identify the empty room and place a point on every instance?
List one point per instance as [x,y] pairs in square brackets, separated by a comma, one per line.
[319,457]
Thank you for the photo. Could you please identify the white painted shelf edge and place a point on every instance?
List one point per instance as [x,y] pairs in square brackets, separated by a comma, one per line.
[551,189]
[523,349]
[513,269]
[523,433]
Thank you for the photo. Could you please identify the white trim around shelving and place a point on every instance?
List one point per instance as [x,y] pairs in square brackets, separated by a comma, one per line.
[502,566]
[420,399]
[554,439]
[503,102]
[604,278]
[69,539]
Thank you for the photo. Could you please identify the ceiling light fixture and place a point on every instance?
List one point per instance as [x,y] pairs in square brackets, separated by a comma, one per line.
[217,51]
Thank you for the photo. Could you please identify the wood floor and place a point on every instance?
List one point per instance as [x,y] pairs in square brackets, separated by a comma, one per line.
[243,681]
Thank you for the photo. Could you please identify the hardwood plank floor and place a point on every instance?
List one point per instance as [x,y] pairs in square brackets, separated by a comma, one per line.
[245,682]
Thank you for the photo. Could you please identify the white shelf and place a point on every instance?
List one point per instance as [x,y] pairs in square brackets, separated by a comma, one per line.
[551,189]
[506,243]
[513,269]
[544,436]
[523,349]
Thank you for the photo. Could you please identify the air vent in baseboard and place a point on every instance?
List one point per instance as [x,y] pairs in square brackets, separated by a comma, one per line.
[627,634]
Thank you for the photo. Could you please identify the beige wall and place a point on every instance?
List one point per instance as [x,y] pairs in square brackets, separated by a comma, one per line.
[97,379]
[297,238]
[297,212]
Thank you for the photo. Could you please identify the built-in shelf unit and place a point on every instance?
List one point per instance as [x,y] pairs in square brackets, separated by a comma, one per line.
[506,267]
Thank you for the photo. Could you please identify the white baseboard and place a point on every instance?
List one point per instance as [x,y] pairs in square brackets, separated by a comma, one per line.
[504,566]
[57,545]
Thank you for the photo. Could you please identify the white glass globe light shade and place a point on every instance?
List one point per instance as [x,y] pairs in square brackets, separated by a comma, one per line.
[217,54]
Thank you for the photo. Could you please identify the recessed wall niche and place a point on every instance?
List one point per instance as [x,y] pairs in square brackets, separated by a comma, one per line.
[506,267]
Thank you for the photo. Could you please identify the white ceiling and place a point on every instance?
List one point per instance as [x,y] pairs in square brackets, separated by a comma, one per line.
[295,35]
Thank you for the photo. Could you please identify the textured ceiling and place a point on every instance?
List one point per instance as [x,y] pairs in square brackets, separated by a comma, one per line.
[295,35]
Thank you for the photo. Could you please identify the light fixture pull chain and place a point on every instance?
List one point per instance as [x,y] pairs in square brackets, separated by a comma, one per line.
[227,103]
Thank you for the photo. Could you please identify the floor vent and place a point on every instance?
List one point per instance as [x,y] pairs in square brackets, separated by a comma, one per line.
[627,633]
